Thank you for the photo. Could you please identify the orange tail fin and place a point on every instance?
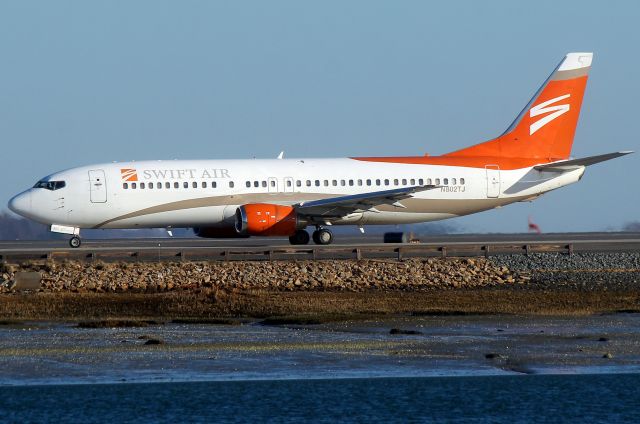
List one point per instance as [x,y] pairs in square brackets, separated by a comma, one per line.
[546,126]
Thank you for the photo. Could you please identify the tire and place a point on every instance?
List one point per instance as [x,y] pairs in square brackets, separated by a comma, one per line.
[299,237]
[322,236]
[75,242]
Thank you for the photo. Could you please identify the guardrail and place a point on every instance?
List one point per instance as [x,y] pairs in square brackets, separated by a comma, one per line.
[358,252]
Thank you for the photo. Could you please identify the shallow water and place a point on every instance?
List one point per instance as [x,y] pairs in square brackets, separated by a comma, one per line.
[501,399]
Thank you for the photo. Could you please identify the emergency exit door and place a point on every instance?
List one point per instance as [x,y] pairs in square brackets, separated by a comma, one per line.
[97,186]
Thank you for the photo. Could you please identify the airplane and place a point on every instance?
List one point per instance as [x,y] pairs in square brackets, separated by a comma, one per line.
[282,197]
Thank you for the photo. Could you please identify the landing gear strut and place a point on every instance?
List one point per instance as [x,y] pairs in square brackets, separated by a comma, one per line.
[75,242]
[299,237]
[322,236]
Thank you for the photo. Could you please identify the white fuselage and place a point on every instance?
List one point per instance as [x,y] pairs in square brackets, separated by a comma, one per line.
[197,193]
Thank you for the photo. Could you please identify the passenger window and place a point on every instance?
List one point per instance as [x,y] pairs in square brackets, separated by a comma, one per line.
[248,184]
[273,183]
[350,182]
[125,186]
[151,185]
[317,183]
[429,182]
[298,183]
[326,183]
[334,183]
[167,185]
[377,182]
[462,181]
[308,183]
[204,184]
[231,184]
[446,181]
[343,183]
[214,184]
[133,185]
[288,183]
[386,182]
[176,185]
[194,184]
[159,186]
[359,182]
[404,181]
[256,183]
[420,181]
[453,181]
[141,185]
[264,184]
[185,184]
[413,181]
[368,182]
[396,182]
[437,181]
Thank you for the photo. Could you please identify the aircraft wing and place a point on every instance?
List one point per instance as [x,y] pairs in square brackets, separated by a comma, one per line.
[570,165]
[337,207]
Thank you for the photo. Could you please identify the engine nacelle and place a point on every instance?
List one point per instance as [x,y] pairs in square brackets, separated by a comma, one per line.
[264,219]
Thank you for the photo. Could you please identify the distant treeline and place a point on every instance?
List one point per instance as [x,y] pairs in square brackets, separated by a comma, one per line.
[15,228]
[633,227]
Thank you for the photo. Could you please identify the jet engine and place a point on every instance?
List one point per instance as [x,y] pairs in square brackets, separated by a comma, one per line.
[263,219]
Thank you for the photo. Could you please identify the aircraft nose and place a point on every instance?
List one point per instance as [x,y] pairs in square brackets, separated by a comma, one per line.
[21,204]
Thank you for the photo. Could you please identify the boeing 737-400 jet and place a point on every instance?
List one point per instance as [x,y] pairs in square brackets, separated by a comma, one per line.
[282,197]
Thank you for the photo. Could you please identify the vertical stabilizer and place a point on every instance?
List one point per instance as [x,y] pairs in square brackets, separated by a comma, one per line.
[546,126]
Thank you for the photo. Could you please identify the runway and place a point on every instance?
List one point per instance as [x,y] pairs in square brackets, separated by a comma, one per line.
[347,247]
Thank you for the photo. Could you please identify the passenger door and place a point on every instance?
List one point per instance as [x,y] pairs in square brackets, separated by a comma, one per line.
[493,181]
[97,186]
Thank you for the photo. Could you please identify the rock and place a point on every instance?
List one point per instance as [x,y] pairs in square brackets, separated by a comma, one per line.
[154,342]
[603,339]
[493,356]
[400,331]
[607,356]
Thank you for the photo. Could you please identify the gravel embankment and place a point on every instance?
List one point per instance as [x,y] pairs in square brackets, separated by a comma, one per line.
[334,275]
[579,272]
[582,271]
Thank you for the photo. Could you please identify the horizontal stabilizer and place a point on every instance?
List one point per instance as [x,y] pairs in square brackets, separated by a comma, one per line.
[570,165]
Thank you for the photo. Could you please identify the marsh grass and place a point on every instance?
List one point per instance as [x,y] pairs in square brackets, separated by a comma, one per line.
[279,308]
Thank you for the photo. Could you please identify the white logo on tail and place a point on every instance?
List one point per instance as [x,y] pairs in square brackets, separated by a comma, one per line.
[542,109]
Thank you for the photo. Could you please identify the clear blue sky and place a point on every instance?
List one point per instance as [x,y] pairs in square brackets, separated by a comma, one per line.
[84,82]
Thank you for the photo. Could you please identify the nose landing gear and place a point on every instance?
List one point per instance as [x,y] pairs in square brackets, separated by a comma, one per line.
[322,236]
[75,242]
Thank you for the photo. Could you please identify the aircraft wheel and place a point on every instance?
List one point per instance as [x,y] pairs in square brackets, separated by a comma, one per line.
[299,237]
[75,242]
[322,236]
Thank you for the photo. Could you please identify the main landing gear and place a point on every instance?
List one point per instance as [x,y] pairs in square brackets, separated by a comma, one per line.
[299,237]
[321,236]
[75,242]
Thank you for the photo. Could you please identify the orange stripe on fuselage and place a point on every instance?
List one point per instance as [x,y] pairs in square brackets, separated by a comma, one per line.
[462,161]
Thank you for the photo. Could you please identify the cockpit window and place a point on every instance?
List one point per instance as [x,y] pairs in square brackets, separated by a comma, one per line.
[50,185]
